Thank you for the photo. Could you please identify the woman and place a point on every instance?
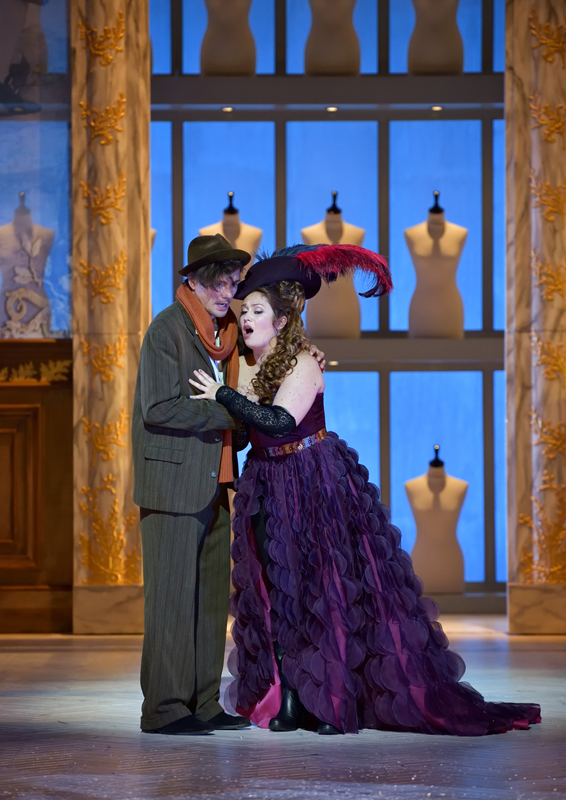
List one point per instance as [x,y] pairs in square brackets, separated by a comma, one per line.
[331,630]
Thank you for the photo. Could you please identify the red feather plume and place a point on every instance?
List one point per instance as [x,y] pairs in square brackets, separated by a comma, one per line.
[331,260]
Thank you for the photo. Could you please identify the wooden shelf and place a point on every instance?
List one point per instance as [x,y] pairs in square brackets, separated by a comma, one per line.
[394,353]
[365,91]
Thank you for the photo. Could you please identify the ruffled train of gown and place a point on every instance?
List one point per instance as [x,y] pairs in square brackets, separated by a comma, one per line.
[362,645]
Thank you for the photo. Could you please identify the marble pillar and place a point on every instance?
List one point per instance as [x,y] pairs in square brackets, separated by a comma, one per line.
[536,313]
[111,303]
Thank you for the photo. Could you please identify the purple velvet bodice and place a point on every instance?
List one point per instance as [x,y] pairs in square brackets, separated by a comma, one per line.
[312,423]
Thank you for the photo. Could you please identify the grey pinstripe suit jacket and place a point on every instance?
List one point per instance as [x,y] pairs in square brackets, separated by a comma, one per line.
[177,442]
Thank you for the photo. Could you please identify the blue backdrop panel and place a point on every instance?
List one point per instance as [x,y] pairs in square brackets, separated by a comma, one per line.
[327,156]
[220,157]
[499,250]
[351,404]
[351,408]
[402,23]
[444,408]
[161,217]
[262,24]
[499,415]
[424,156]
[299,25]
[499,35]
[160,34]
[53,18]
[34,158]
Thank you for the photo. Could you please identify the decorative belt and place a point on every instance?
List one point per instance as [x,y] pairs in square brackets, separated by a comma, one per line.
[294,447]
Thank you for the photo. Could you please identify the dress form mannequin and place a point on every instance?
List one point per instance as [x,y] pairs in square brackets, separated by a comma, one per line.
[228,47]
[436,246]
[335,311]
[436,500]
[332,47]
[436,46]
[239,234]
[24,249]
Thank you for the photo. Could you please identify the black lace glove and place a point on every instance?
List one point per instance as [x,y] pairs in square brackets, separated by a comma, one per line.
[272,420]
[240,437]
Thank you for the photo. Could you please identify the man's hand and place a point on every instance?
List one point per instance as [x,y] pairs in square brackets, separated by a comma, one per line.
[206,384]
[319,355]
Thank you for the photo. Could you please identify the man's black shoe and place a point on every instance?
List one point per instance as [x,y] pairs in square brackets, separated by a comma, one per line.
[186,726]
[225,722]
[326,729]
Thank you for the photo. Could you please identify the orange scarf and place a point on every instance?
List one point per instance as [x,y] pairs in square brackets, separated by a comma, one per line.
[227,352]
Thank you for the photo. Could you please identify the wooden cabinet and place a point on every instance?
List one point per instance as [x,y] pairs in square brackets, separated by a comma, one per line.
[36,484]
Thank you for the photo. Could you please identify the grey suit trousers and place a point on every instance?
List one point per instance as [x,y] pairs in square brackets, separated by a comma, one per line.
[186,571]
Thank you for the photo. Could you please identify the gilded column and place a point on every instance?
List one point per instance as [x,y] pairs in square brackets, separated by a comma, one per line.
[536,319]
[110,154]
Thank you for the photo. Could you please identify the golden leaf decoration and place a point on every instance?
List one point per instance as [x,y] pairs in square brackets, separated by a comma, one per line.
[552,199]
[545,560]
[103,554]
[104,438]
[25,373]
[550,37]
[103,360]
[552,280]
[4,375]
[551,357]
[100,124]
[551,120]
[55,371]
[102,279]
[102,202]
[105,45]
[551,437]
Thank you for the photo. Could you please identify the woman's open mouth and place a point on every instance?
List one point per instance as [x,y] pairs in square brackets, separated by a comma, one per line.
[247,330]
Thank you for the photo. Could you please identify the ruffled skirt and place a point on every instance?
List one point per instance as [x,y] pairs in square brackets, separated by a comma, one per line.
[362,645]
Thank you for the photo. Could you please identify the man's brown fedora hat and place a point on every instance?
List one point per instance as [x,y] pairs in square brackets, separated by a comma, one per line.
[208,249]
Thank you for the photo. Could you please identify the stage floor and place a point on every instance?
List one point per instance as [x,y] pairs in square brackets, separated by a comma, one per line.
[69,729]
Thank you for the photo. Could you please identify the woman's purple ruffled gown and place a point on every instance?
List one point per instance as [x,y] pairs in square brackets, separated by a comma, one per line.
[362,646]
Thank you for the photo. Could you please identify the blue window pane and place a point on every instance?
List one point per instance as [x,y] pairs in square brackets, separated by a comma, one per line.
[160,34]
[444,408]
[34,158]
[161,217]
[355,421]
[53,20]
[222,157]
[194,26]
[424,156]
[262,24]
[500,450]
[499,249]
[402,23]
[327,156]
[299,25]
[499,35]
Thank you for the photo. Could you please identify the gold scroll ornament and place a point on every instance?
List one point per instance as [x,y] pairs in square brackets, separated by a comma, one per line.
[552,38]
[103,360]
[103,279]
[551,357]
[105,45]
[551,437]
[100,124]
[552,199]
[101,202]
[545,561]
[104,554]
[103,438]
[551,120]
[52,372]
[550,279]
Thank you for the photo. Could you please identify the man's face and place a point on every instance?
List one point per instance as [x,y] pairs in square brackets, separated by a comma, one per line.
[217,299]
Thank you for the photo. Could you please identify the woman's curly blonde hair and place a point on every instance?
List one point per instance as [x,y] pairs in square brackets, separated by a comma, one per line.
[287,299]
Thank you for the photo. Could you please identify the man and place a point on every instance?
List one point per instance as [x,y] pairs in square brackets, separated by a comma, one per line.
[183,465]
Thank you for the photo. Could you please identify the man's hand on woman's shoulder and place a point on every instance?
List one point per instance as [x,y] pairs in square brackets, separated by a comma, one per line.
[319,355]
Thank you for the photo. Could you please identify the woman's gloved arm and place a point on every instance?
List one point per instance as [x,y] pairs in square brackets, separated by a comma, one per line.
[274,421]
